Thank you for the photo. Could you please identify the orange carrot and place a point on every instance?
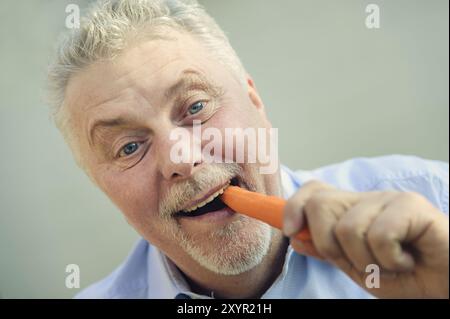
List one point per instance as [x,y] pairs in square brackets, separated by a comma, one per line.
[268,209]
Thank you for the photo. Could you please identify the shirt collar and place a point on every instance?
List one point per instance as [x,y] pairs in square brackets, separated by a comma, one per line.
[164,278]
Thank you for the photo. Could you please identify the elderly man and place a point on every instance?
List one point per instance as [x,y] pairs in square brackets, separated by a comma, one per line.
[136,71]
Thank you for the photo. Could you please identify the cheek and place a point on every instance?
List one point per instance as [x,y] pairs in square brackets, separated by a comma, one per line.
[133,191]
[224,119]
[238,111]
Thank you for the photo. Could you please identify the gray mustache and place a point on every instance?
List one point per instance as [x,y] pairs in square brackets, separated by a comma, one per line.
[210,176]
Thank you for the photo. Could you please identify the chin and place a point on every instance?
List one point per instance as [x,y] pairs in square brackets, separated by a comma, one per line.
[230,250]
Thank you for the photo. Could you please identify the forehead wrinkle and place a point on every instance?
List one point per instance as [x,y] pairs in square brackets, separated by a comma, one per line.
[127,79]
[131,77]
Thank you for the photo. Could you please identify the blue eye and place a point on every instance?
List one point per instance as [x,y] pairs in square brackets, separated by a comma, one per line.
[195,108]
[129,149]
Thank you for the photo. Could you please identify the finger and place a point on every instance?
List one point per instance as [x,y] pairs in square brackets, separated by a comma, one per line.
[394,227]
[305,248]
[293,211]
[322,211]
[351,229]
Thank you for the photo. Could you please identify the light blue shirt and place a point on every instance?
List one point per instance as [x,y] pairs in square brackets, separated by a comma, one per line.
[147,273]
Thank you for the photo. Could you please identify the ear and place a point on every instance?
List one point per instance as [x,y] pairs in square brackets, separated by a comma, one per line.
[255,98]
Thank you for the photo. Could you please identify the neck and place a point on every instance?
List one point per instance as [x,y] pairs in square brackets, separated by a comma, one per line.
[251,284]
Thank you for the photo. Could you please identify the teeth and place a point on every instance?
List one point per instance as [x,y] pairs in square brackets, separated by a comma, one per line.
[208,200]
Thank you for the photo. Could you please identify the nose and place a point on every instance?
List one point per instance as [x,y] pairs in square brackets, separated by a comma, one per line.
[174,169]
[178,171]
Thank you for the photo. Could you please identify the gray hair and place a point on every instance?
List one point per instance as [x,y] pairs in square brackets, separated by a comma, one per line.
[110,25]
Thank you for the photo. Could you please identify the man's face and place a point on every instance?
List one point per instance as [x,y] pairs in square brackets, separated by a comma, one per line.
[123,112]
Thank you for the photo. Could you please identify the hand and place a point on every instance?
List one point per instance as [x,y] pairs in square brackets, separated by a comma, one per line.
[401,232]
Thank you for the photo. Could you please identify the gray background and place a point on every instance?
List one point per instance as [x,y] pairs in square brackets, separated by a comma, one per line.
[334,88]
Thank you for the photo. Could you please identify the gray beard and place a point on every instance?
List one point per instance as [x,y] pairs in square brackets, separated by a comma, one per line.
[232,250]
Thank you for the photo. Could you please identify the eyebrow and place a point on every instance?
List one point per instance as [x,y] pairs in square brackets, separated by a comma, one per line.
[191,80]
[105,123]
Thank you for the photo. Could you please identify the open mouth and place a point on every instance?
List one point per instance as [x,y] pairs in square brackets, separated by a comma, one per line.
[211,204]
